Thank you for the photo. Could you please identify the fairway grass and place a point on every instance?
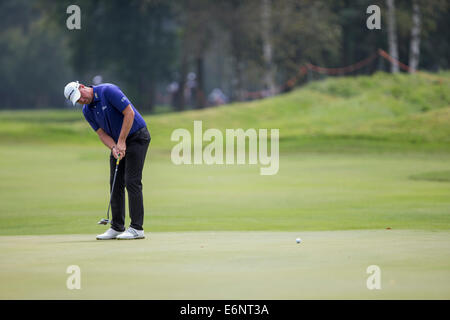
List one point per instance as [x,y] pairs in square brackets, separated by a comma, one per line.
[65,190]
[229,265]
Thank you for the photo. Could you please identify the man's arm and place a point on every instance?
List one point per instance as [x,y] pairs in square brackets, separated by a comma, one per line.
[128,119]
[106,139]
[109,142]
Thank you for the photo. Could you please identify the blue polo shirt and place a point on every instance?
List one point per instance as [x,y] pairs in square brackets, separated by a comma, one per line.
[105,111]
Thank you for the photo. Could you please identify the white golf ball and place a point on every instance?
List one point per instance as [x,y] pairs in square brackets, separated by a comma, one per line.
[298,240]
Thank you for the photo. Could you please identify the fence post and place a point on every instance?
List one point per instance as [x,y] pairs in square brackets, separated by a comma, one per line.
[380,63]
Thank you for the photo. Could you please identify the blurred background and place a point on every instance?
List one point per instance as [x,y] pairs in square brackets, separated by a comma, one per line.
[191,54]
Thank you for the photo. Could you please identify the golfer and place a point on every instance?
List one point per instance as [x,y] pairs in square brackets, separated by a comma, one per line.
[123,130]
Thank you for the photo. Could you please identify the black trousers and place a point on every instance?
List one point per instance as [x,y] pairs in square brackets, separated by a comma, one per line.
[129,176]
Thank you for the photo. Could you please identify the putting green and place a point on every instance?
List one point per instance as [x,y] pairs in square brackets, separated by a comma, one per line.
[229,265]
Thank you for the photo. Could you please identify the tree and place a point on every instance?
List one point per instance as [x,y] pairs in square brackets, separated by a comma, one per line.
[392,34]
[240,22]
[195,23]
[435,47]
[133,42]
[266,35]
[33,58]
[304,31]
[414,50]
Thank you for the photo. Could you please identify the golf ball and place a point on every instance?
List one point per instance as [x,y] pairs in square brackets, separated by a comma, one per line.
[298,240]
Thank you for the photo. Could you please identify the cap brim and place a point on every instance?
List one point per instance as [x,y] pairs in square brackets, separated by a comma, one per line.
[75,96]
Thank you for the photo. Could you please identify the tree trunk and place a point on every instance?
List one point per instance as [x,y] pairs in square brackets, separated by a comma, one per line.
[266,11]
[146,94]
[414,50]
[179,102]
[237,81]
[200,90]
[238,91]
[151,98]
[392,34]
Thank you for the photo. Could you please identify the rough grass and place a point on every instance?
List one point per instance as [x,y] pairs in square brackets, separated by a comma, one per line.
[379,112]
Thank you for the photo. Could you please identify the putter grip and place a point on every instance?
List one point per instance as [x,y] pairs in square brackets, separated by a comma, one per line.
[118,159]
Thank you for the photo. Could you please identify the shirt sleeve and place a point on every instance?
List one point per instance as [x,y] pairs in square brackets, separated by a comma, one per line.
[116,98]
[90,119]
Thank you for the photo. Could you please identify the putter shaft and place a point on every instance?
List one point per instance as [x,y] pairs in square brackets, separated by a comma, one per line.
[106,221]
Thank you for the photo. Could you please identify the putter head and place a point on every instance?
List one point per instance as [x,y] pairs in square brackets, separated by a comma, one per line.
[104,221]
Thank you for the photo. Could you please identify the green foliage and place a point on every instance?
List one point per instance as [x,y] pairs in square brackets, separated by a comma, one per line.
[33,60]
[305,31]
[131,42]
[143,45]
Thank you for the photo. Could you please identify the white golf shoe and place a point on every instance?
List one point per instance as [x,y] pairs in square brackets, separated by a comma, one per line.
[110,234]
[131,234]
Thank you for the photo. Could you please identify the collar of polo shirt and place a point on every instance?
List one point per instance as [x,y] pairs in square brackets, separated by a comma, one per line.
[96,96]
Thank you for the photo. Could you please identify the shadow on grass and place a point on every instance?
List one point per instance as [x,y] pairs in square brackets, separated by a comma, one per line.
[438,176]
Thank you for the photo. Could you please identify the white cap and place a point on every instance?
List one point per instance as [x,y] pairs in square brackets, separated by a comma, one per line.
[71,92]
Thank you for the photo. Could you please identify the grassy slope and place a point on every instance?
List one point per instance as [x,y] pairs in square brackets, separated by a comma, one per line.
[397,110]
[374,113]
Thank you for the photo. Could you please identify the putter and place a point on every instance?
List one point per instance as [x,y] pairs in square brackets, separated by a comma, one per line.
[106,221]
